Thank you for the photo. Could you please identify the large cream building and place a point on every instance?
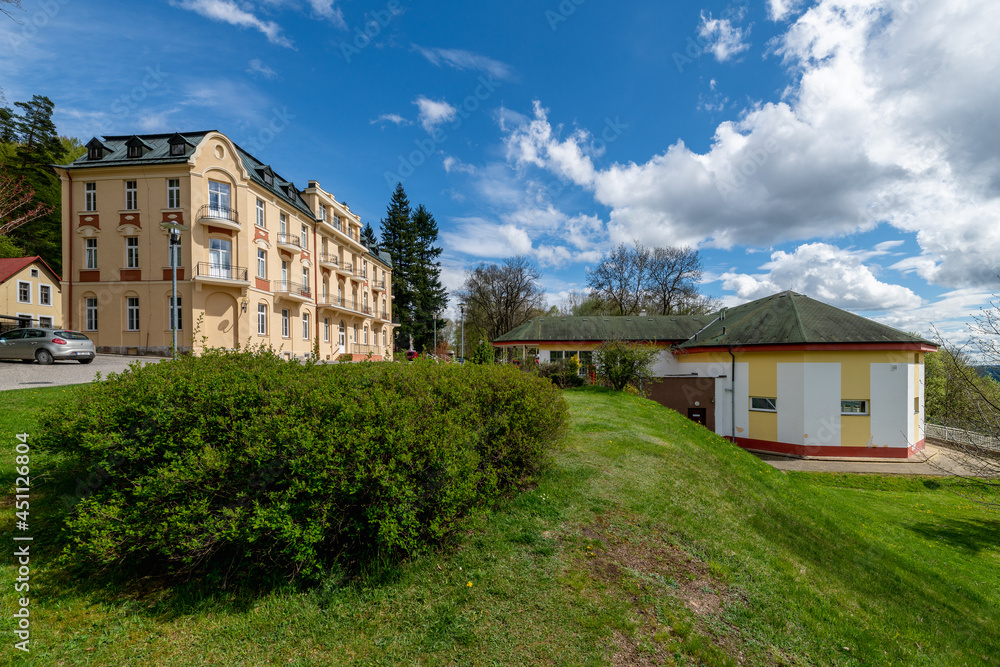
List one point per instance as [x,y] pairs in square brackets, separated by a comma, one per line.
[262,262]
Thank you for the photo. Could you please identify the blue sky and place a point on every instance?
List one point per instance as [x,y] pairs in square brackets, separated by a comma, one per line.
[846,149]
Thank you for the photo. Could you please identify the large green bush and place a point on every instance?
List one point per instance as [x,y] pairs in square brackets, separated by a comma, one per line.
[243,462]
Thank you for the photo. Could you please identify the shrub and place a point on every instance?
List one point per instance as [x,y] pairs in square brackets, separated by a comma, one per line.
[482,354]
[561,374]
[243,462]
[621,364]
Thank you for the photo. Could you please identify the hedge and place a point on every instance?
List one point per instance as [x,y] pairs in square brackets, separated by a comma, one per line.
[244,462]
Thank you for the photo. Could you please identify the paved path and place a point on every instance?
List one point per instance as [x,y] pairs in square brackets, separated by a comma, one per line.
[932,461]
[19,375]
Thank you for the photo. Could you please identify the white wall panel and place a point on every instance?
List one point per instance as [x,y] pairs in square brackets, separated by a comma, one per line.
[821,389]
[791,403]
[891,405]
[742,398]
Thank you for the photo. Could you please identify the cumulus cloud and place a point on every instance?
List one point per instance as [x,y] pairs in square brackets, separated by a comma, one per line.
[777,10]
[452,163]
[328,10]
[722,39]
[434,112]
[887,122]
[463,60]
[827,273]
[229,12]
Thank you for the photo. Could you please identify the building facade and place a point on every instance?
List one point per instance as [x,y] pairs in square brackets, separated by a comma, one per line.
[30,294]
[784,374]
[260,263]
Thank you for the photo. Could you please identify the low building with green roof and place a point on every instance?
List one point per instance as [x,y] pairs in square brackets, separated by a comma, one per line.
[784,374]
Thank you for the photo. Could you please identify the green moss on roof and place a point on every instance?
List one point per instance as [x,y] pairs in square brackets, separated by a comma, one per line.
[637,328]
[791,318]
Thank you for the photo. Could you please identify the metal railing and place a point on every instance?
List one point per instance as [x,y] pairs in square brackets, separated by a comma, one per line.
[288,287]
[378,284]
[219,213]
[346,304]
[289,239]
[327,258]
[219,270]
[960,436]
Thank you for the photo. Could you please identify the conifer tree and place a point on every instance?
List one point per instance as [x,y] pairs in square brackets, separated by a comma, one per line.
[431,297]
[400,241]
[368,237]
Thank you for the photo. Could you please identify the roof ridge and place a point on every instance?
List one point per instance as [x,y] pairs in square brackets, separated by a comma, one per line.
[798,316]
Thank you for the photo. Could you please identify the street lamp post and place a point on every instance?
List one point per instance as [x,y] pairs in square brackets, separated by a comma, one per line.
[461,307]
[435,334]
[175,230]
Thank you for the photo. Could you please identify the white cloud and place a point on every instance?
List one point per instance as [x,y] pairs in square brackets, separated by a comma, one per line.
[463,60]
[434,112]
[722,39]
[452,163]
[327,10]
[229,12]
[888,122]
[826,273]
[779,9]
[258,67]
[393,118]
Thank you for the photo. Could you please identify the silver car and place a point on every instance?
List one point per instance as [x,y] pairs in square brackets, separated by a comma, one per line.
[46,345]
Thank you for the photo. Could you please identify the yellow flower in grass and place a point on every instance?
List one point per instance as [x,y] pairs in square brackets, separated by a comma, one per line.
[469,585]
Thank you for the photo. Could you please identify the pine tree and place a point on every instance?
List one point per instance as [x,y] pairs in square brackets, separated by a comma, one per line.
[368,237]
[400,241]
[431,296]
[38,141]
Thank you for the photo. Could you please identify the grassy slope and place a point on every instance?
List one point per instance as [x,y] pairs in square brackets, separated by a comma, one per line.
[651,540]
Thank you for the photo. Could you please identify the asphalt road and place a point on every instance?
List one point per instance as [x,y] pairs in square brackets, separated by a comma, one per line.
[19,375]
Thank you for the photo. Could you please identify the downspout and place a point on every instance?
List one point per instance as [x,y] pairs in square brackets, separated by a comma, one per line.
[69,243]
[732,393]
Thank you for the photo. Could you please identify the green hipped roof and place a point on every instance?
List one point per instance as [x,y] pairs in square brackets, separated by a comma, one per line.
[789,318]
[159,153]
[598,328]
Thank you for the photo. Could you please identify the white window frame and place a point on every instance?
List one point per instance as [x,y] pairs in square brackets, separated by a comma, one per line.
[261,263]
[175,311]
[90,253]
[305,237]
[284,323]
[326,329]
[90,312]
[45,295]
[131,313]
[865,404]
[305,326]
[219,196]
[131,252]
[173,193]
[282,223]
[131,195]
[261,319]
[45,322]
[305,277]
[90,197]
[261,214]
[764,404]
[23,288]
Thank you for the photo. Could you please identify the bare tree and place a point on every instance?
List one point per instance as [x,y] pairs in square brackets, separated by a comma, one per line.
[500,297]
[621,278]
[15,204]
[673,280]
[16,4]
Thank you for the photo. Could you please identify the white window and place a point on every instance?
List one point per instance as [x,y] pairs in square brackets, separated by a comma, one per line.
[174,253]
[175,313]
[45,322]
[326,329]
[854,407]
[90,246]
[260,212]
[131,196]
[132,313]
[23,292]
[284,322]
[321,212]
[261,263]
[218,196]
[90,196]
[383,337]
[90,310]
[764,404]
[173,193]
[45,295]
[282,223]
[284,271]
[366,335]
[131,252]
[34,273]
[305,326]
[262,319]
[305,237]
[220,254]
[305,277]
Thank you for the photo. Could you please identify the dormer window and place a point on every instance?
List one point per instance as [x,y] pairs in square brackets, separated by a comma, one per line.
[177,149]
[135,151]
[268,178]
[137,147]
[178,146]
[96,149]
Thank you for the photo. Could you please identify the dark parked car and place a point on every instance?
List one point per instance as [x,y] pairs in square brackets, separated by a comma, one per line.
[46,345]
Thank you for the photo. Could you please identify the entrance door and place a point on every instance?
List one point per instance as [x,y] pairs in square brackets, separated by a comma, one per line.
[343,338]
[697,415]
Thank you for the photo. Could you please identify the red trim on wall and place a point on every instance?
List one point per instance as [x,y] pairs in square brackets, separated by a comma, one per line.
[90,220]
[220,230]
[262,284]
[833,451]
[131,275]
[816,347]
[174,216]
[168,274]
[131,218]
[259,233]
[92,276]
[661,343]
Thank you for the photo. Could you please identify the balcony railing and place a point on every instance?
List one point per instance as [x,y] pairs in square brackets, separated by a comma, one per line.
[219,270]
[289,239]
[378,284]
[346,304]
[332,260]
[290,288]
[220,213]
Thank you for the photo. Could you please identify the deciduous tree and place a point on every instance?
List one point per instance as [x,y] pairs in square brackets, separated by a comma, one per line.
[500,297]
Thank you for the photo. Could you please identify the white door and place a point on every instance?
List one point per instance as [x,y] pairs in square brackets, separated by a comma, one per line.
[218,198]
[343,338]
[220,253]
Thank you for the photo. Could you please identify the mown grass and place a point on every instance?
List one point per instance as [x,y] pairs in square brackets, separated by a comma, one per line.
[651,541]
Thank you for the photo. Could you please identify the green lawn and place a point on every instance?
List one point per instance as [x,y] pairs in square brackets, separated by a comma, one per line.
[650,541]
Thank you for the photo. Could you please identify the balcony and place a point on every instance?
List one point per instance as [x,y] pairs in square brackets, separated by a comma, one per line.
[345,269]
[284,289]
[289,242]
[378,285]
[219,216]
[328,260]
[381,315]
[221,274]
